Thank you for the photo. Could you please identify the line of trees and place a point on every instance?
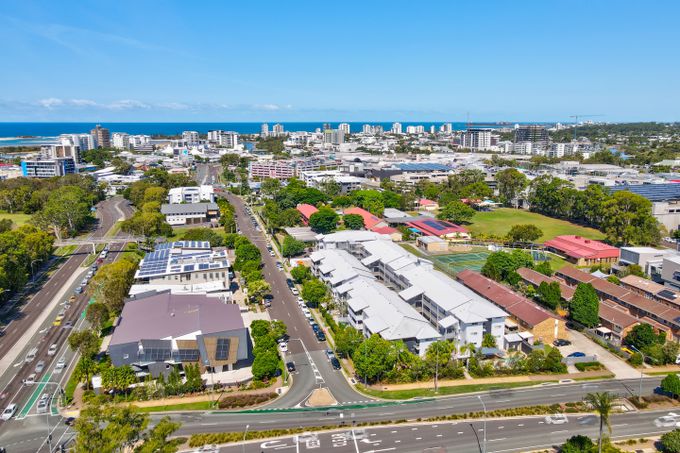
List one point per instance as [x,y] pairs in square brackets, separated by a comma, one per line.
[21,252]
[624,217]
[267,361]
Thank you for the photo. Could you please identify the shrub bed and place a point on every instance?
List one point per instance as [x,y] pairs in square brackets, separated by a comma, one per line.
[234,401]
[589,366]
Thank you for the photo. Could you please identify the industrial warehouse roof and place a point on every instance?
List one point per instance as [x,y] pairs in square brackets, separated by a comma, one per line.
[652,192]
[422,166]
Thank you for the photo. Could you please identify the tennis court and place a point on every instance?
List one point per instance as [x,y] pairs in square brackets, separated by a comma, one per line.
[461,261]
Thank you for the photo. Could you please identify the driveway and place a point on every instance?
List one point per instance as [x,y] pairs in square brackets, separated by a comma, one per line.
[581,343]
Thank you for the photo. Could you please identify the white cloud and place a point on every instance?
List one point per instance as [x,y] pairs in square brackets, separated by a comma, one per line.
[127,104]
[173,106]
[50,103]
[83,102]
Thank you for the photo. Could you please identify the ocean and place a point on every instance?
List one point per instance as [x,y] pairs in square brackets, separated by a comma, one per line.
[22,134]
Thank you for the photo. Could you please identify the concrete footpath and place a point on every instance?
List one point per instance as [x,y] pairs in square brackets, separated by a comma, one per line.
[10,358]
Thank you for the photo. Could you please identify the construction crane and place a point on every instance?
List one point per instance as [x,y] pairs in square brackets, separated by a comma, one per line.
[576,117]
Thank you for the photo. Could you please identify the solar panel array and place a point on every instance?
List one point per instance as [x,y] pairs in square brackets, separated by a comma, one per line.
[184,245]
[436,224]
[653,192]
[158,261]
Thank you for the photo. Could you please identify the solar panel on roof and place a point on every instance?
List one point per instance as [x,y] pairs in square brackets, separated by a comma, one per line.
[436,225]
[667,294]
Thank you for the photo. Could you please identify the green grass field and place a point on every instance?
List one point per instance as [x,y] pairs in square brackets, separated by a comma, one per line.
[499,222]
[18,219]
[449,390]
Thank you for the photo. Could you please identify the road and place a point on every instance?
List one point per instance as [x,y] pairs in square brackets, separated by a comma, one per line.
[506,435]
[26,425]
[308,354]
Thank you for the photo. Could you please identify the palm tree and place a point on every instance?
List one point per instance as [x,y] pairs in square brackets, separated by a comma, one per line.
[602,403]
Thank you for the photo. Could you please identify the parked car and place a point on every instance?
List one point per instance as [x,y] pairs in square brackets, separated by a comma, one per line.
[320,335]
[577,354]
[69,421]
[295,291]
[283,347]
[290,366]
[53,349]
[330,354]
[561,342]
[335,363]
[9,412]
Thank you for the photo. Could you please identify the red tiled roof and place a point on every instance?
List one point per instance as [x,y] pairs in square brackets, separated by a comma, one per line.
[426,202]
[580,247]
[369,219]
[615,314]
[306,210]
[385,230]
[518,306]
[434,227]
[536,278]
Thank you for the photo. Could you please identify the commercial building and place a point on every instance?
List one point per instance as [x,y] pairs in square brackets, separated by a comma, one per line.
[432,244]
[101,136]
[543,325]
[665,200]
[194,194]
[451,309]
[120,140]
[160,331]
[182,263]
[648,258]
[48,168]
[286,169]
[582,251]
[190,213]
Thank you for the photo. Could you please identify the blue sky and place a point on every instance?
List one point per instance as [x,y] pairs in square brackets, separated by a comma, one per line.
[339,61]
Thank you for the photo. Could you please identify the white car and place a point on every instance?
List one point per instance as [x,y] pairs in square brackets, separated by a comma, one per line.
[53,349]
[9,412]
[556,419]
[283,347]
[667,421]
[43,403]
[30,380]
[59,367]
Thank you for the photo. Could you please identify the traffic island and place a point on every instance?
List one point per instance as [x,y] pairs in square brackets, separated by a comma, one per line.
[320,398]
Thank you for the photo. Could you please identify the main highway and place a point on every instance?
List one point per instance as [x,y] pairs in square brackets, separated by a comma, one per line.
[502,435]
[34,329]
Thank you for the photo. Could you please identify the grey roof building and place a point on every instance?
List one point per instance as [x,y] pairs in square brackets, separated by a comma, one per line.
[190,213]
[178,329]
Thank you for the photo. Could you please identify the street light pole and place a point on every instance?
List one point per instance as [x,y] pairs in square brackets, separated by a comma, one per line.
[642,367]
[479,397]
[245,434]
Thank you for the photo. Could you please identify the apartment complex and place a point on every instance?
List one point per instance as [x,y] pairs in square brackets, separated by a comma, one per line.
[194,194]
[452,310]
[102,136]
[48,168]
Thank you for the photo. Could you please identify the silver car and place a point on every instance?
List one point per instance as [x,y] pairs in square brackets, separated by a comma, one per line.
[40,366]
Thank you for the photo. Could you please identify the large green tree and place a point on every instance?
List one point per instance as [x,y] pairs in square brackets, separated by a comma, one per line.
[585,305]
[373,358]
[511,182]
[314,291]
[353,221]
[456,212]
[524,233]
[292,247]
[325,220]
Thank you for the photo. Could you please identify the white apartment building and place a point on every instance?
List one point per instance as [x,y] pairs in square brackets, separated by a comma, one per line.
[396,128]
[453,310]
[370,129]
[196,194]
[334,136]
[277,130]
[227,139]
[476,138]
[139,141]
[523,148]
[446,128]
[371,307]
[190,137]
[83,141]
[347,183]
[264,130]
[60,151]
[120,140]
[344,127]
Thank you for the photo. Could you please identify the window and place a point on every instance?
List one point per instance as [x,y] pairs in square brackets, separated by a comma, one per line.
[222,349]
